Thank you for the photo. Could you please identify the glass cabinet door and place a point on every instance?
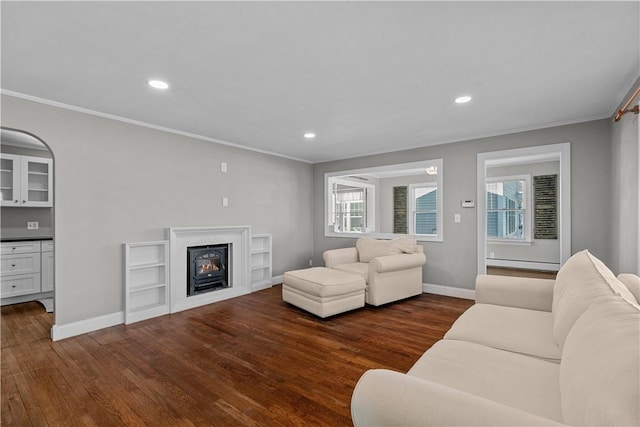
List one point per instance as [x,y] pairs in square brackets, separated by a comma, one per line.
[26,181]
[10,180]
[36,182]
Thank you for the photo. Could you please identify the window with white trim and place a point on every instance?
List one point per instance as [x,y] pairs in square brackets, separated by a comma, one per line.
[351,206]
[423,199]
[508,208]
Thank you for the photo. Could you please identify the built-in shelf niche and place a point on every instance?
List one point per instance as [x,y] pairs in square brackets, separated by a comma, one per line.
[261,261]
[146,280]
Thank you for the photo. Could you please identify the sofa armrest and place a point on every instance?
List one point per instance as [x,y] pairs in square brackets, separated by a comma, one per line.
[388,398]
[522,292]
[397,262]
[333,257]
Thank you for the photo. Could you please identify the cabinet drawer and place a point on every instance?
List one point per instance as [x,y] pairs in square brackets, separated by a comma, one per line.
[47,246]
[13,286]
[8,248]
[20,264]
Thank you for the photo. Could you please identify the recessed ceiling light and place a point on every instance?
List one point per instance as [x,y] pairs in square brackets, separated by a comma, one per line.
[463,99]
[309,135]
[158,84]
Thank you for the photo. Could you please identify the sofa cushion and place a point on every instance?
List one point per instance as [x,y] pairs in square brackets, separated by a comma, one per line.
[369,248]
[519,330]
[632,282]
[359,268]
[522,382]
[600,368]
[581,280]
[323,282]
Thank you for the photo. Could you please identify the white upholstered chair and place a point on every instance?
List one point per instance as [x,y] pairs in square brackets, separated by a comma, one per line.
[391,268]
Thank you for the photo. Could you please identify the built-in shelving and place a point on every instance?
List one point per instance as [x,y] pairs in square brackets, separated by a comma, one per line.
[146,280]
[261,247]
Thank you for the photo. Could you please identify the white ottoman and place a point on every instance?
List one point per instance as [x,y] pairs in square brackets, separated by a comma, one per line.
[323,291]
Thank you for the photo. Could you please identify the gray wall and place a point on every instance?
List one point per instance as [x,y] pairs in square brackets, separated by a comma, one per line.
[540,250]
[117,182]
[453,262]
[626,193]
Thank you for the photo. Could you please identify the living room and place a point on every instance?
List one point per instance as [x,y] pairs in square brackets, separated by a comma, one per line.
[123,176]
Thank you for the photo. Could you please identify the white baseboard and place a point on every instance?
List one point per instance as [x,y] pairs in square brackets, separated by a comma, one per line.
[59,332]
[449,291]
[276,280]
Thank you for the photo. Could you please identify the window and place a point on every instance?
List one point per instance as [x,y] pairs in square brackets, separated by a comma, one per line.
[376,201]
[424,220]
[508,208]
[351,206]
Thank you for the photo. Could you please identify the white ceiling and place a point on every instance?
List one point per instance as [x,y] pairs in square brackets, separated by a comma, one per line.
[366,77]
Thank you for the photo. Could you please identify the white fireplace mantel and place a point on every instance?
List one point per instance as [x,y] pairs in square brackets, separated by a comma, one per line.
[239,237]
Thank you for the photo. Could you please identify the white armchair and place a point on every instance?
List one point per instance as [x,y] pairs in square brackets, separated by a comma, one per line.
[391,268]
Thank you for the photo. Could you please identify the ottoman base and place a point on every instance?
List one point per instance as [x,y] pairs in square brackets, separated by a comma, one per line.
[323,292]
[323,307]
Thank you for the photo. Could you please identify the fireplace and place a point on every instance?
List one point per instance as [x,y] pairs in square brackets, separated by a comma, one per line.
[207,268]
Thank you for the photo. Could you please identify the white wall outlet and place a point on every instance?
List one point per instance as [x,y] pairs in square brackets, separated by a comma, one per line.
[457,218]
[33,225]
[310,263]
[492,254]
[223,166]
[225,201]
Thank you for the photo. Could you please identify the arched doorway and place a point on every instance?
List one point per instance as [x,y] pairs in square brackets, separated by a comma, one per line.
[27,226]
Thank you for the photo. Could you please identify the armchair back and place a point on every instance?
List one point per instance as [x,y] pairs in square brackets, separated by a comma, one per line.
[392,269]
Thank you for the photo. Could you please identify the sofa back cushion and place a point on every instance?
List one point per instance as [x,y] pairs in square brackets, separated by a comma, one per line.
[369,248]
[632,282]
[600,367]
[580,281]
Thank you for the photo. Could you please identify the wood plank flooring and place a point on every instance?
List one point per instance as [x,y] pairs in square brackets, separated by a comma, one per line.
[521,272]
[252,360]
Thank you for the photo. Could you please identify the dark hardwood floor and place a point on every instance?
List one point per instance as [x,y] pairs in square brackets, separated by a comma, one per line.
[253,360]
[521,272]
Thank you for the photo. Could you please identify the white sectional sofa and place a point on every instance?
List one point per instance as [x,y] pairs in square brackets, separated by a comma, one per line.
[529,352]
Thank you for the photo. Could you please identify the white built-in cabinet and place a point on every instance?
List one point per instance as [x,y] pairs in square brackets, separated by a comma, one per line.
[47,265]
[146,280]
[261,261]
[26,181]
[26,270]
[146,270]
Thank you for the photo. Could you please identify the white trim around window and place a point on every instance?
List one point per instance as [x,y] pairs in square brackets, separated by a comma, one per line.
[561,152]
[434,185]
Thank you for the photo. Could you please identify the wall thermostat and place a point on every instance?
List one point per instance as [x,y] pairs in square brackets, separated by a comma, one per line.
[468,204]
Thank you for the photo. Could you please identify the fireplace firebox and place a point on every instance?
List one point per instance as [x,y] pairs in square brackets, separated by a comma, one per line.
[207,268]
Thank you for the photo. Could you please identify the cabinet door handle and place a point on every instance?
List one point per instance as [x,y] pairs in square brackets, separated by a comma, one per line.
[24,201]
[16,201]
[13,286]
[13,265]
[13,249]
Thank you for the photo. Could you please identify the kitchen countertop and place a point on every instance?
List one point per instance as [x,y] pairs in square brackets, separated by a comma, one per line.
[24,238]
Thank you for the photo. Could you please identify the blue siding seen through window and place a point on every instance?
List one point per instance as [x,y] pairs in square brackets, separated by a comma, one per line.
[426,213]
[505,209]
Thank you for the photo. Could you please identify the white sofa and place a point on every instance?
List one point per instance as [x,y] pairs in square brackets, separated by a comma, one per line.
[392,269]
[529,352]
